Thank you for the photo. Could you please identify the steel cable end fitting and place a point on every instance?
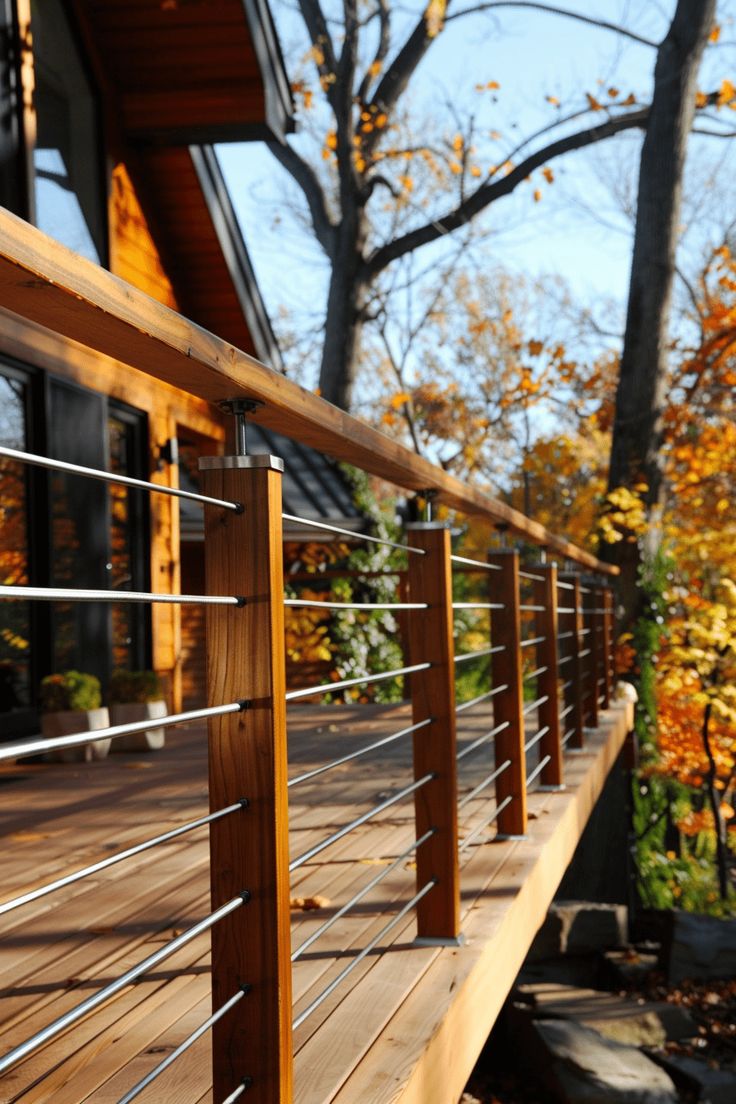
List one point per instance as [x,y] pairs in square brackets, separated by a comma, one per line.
[245,896]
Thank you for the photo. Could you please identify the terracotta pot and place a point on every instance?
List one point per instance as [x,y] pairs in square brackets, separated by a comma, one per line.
[69,721]
[128,713]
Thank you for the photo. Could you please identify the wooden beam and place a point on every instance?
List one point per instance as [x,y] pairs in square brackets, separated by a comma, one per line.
[570,627]
[249,850]
[435,750]
[49,284]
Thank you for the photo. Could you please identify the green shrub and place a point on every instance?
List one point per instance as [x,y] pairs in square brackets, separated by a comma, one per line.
[134,686]
[73,690]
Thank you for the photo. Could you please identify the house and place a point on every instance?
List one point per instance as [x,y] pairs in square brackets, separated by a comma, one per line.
[109,113]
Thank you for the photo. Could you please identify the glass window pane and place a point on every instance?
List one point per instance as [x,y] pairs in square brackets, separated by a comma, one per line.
[15,623]
[67,164]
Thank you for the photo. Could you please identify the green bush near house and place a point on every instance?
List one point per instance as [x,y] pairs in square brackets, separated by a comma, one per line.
[134,686]
[70,690]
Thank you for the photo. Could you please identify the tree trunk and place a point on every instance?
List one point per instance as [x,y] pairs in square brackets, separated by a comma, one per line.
[715,804]
[341,349]
[637,434]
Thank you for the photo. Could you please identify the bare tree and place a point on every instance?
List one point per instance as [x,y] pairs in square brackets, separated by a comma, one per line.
[364,76]
[636,454]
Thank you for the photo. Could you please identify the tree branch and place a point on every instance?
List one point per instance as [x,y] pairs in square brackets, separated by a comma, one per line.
[492,191]
[384,41]
[306,178]
[603,24]
[319,35]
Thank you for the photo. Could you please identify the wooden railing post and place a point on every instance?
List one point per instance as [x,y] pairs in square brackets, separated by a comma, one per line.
[247,759]
[571,625]
[603,646]
[508,704]
[590,648]
[433,695]
[545,594]
[608,630]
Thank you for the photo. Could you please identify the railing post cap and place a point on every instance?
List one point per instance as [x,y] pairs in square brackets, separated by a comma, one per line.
[257,460]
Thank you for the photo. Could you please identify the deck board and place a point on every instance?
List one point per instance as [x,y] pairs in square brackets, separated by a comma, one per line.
[384,1034]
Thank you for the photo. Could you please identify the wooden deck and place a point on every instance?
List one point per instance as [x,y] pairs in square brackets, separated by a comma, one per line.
[386,1034]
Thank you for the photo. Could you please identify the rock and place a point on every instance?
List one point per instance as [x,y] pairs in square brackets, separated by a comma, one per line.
[580,927]
[627,967]
[621,1019]
[713,1086]
[700,947]
[588,1069]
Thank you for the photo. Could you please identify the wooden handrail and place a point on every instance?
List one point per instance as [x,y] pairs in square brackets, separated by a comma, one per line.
[50,285]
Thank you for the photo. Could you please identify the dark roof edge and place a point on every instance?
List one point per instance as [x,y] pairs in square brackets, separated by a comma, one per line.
[279,101]
[225,222]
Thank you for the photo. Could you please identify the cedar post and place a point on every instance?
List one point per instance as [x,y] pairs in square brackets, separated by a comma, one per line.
[508,704]
[247,759]
[590,647]
[572,623]
[433,695]
[603,646]
[545,594]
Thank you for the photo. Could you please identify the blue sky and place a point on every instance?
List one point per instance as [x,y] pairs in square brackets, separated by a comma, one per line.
[578,230]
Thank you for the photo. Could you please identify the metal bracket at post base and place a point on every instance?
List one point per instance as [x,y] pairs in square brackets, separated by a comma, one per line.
[255,460]
[439,941]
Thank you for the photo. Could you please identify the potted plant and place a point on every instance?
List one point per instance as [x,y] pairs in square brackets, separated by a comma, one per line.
[137,696]
[70,702]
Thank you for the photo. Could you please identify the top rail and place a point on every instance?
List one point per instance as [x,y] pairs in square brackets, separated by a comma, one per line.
[45,282]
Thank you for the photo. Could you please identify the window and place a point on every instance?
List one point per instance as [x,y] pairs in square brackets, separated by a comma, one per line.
[63,530]
[15,617]
[67,157]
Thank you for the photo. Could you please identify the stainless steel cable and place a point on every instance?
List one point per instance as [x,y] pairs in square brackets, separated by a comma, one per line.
[480,740]
[203,1028]
[535,738]
[109,477]
[476,563]
[38,745]
[530,575]
[532,640]
[567,736]
[481,698]
[484,824]
[325,843]
[362,954]
[237,1093]
[480,653]
[362,680]
[566,710]
[311,523]
[111,860]
[315,604]
[484,784]
[357,754]
[537,770]
[79,1011]
[479,605]
[531,706]
[361,894]
[534,674]
[69,594]
[532,609]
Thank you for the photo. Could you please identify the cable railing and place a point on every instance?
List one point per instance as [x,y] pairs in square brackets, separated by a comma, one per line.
[520,695]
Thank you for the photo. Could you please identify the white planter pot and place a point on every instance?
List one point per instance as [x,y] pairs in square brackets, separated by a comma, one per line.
[70,721]
[129,713]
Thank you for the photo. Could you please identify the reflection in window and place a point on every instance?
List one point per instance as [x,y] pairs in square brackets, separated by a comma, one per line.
[67,161]
[15,626]
[125,616]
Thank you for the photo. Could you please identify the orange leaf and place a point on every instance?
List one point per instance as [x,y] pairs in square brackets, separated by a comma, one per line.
[593,102]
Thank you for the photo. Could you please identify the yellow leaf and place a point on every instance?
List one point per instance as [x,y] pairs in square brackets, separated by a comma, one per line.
[715,34]
[552,100]
[399,399]
[331,140]
[613,93]
[701,99]
[548,175]
[629,101]
[455,168]
[474,171]
[537,195]
[726,93]
[434,17]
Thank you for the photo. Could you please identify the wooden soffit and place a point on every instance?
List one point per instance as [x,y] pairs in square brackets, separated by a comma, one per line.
[192,71]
